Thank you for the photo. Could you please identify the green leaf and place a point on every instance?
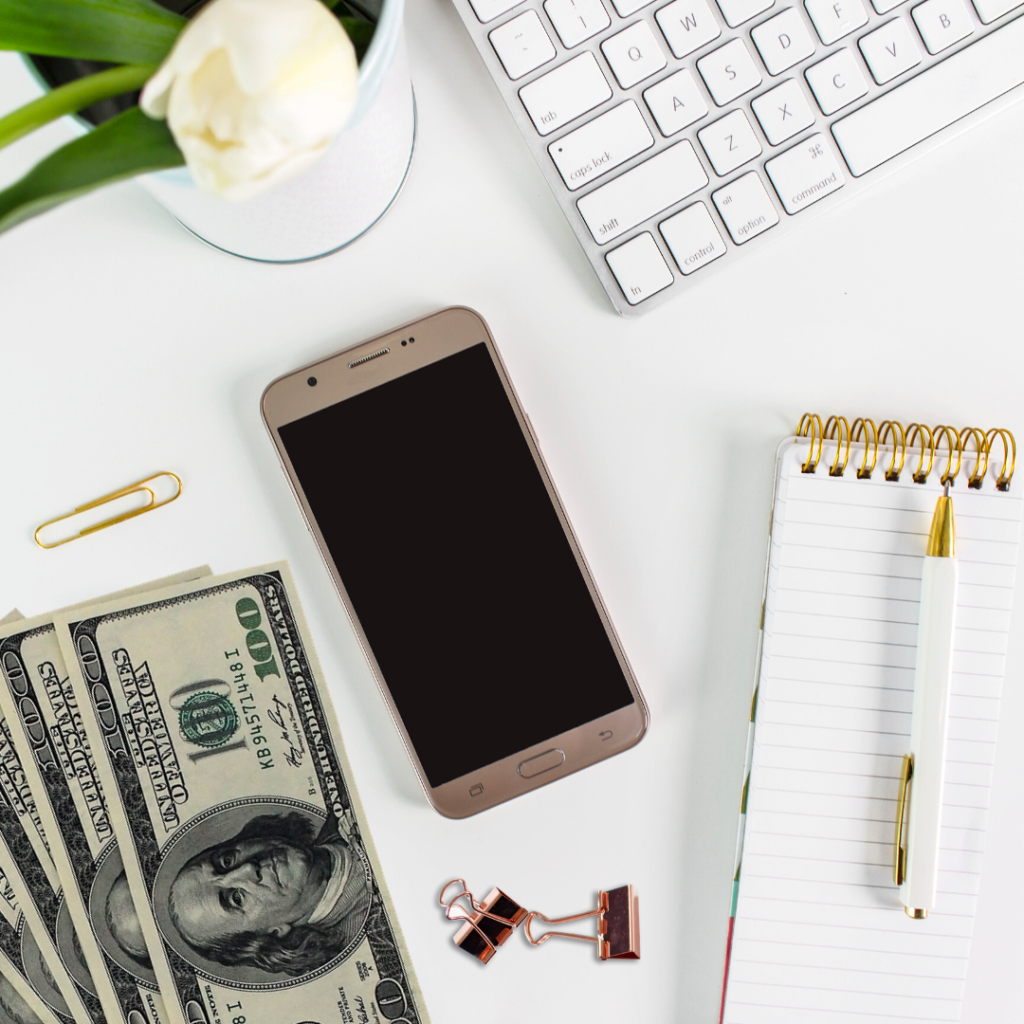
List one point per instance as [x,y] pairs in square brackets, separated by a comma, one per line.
[119,31]
[360,32]
[70,98]
[129,144]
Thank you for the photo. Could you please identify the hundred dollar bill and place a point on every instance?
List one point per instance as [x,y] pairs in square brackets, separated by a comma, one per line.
[20,1001]
[44,721]
[32,902]
[258,888]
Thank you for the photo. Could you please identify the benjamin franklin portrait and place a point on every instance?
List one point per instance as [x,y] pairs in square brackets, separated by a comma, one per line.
[13,1008]
[279,896]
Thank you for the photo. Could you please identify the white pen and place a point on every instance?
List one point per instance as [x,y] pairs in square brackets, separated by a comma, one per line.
[919,810]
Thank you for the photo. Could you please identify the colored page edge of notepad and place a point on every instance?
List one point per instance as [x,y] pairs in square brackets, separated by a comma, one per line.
[748,755]
[780,501]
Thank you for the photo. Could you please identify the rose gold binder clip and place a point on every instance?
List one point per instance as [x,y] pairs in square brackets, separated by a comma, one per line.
[488,924]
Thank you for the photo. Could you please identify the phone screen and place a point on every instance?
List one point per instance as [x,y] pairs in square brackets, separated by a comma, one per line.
[457,565]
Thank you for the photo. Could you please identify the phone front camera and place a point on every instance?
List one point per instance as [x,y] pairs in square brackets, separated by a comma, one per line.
[311,382]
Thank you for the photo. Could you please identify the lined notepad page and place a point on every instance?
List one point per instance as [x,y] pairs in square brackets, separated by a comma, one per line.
[820,934]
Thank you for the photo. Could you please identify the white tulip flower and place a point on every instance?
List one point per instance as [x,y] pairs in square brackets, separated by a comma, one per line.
[254,91]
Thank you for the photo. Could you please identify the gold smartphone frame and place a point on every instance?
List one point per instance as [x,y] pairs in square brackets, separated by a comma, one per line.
[368,365]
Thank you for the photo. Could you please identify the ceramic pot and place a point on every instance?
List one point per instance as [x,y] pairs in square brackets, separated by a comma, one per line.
[335,200]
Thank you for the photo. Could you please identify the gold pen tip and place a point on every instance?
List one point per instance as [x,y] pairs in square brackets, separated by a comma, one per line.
[917,913]
[942,536]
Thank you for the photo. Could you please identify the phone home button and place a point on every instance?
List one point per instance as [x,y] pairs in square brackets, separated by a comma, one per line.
[541,763]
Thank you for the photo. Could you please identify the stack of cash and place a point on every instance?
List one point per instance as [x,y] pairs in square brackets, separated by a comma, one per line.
[180,840]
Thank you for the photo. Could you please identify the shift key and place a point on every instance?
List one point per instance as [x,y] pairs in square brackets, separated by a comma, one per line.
[564,94]
[653,186]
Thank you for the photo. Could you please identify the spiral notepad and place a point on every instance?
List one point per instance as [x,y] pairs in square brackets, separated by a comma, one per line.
[818,934]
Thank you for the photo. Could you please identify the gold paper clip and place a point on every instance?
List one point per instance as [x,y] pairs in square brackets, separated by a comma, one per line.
[139,487]
[487,925]
[618,926]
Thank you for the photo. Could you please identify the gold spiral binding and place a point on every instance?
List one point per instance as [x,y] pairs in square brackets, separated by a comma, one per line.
[1009,454]
[948,475]
[835,427]
[810,425]
[867,468]
[887,427]
[920,475]
[930,442]
[981,446]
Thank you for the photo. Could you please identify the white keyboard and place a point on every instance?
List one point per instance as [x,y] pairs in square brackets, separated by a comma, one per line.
[676,135]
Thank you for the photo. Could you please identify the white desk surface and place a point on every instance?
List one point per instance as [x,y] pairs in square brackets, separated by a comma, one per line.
[128,347]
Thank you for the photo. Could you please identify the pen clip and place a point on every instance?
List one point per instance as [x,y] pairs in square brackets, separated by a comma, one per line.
[899,858]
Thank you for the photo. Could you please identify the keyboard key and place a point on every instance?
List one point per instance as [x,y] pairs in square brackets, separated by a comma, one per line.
[658,183]
[989,10]
[604,143]
[745,207]
[562,95]
[729,72]
[688,25]
[930,101]
[837,81]
[639,268]
[884,6]
[783,112]
[488,10]
[576,20]
[736,12]
[693,238]
[783,41]
[890,51]
[729,143]
[628,7]
[675,103]
[522,45]
[634,54]
[805,174]
[942,23]
[834,19]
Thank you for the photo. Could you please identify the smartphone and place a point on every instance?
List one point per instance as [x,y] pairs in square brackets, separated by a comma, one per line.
[422,481]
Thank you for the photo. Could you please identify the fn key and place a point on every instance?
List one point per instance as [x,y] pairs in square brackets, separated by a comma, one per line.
[639,268]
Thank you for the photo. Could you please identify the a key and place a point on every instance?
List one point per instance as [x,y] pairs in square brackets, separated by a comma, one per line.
[746,208]
[659,182]
[729,142]
[837,81]
[562,95]
[782,41]
[522,45]
[927,103]
[834,19]
[576,20]
[687,25]
[989,10]
[604,143]
[884,6]
[675,103]
[729,72]
[488,10]
[806,173]
[634,54]
[639,268]
[736,12]
[942,23]
[627,7]
[890,51]
[692,238]
[783,112]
